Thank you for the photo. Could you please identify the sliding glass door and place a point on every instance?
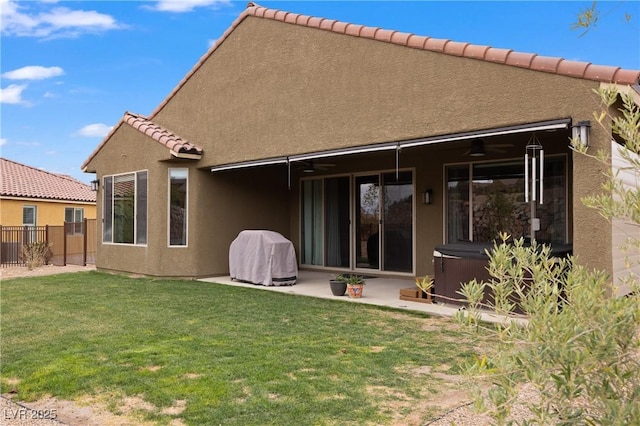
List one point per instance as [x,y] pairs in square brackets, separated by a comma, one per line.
[367,236]
[380,206]
[397,223]
[325,222]
[337,214]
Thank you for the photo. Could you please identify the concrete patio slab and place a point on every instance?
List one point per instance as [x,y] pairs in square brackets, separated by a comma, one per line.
[380,291]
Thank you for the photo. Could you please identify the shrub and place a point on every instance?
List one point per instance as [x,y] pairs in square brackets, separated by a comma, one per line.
[36,254]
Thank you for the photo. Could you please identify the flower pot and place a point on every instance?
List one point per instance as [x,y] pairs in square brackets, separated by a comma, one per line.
[338,288]
[355,290]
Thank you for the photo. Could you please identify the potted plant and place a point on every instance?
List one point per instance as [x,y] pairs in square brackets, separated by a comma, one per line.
[355,284]
[425,284]
[338,285]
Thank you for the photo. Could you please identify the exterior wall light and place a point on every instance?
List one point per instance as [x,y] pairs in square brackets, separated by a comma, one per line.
[427,196]
[95,184]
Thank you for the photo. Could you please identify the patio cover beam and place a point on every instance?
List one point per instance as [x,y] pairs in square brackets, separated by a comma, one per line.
[452,137]
[246,164]
[522,128]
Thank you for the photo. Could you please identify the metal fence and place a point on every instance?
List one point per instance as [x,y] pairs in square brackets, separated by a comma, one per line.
[72,243]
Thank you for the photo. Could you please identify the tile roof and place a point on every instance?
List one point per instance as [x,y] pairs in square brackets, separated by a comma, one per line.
[160,134]
[19,180]
[156,132]
[532,61]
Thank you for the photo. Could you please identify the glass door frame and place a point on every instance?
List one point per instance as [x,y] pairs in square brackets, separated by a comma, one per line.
[352,219]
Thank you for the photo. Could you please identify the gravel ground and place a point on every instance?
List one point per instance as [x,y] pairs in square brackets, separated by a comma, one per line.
[8,272]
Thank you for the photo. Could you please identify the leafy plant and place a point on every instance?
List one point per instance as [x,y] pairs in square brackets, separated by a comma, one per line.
[579,347]
[424,283]
[352,279]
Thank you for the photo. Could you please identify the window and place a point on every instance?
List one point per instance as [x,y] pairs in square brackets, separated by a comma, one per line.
[125,209]
[29,215]
[75,215]
[178,184]
[484,199]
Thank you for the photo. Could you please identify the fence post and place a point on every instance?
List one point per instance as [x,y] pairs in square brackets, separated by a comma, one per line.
[64,244]
[84,242]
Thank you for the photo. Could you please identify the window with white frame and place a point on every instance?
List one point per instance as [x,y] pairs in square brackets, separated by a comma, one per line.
[178,192]
[125,208]
[76,216]
[29,216]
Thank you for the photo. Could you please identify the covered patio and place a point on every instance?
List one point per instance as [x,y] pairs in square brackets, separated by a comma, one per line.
[380,291]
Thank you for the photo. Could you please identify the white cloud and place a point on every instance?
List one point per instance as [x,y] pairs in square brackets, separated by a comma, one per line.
[33,72]
[3,141]
[12,94]
[28,143]
[18,20]
[97,130]
[180,6]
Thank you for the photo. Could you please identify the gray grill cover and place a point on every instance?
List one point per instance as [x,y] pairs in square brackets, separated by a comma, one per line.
[263,257]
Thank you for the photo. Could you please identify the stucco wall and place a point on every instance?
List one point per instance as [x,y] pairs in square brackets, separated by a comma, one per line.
[275,89]
[47,213]
[218,209]
[289,90]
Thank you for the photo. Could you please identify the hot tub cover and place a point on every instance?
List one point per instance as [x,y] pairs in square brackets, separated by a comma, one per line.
[263,257]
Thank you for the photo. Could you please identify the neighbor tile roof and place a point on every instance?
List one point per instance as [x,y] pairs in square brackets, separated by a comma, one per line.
[19,180]
[560,66]
[156,132]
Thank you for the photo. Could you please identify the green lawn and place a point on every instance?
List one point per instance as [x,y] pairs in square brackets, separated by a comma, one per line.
[231,355]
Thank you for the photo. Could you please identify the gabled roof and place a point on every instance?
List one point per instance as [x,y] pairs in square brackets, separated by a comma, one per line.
[19,180]
[177,146]
[532,61]
[575,69]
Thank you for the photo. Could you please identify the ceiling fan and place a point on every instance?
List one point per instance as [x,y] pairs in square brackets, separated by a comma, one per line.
[310,166]
[479,149]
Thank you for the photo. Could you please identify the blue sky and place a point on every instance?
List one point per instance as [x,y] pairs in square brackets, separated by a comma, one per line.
[70,69]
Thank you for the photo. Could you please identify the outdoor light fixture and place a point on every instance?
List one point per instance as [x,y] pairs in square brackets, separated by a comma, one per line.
[95,184]
[534,171]
[427,196]
[581,132]
[477,148]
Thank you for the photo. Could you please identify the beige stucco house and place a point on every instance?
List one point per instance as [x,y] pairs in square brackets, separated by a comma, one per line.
[367,148]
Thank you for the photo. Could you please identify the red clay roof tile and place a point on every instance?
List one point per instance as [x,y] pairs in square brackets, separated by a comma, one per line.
[486,53]
[152,130]
[455,48]
[520,59]
[476,51]
[400,38]
[340,27]
[160,134]
[416,41]
[546,63]
[19,180]
[600,72]
[494,54]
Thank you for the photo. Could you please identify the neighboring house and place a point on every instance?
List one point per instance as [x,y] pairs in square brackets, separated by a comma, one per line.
[366,147]
[32,197]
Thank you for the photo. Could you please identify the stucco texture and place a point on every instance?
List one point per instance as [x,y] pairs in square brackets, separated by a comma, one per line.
[273,89]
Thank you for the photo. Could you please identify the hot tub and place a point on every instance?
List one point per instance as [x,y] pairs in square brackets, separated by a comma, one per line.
[458,263]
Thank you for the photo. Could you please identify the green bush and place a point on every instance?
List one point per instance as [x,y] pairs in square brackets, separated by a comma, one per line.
[565,335]
[579,347]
